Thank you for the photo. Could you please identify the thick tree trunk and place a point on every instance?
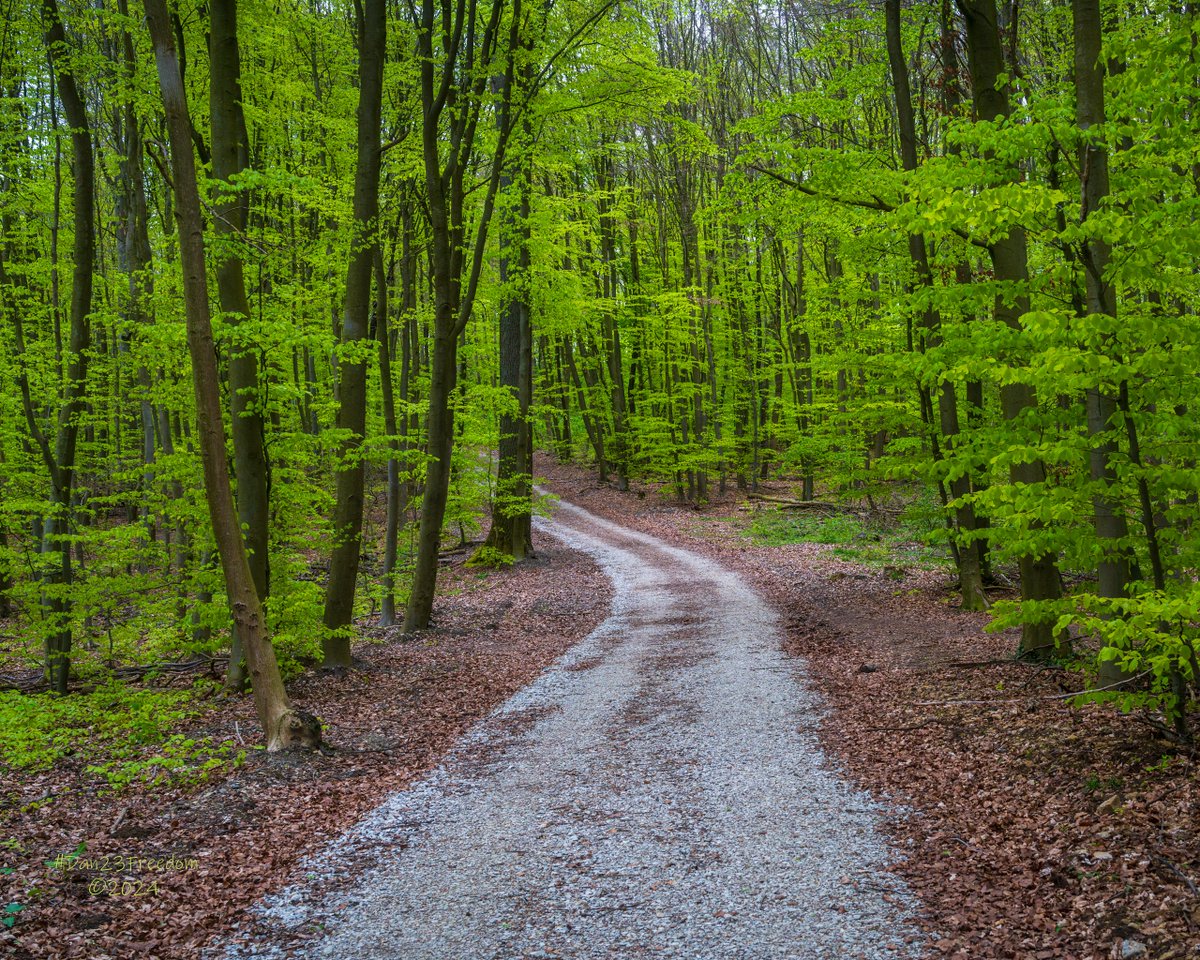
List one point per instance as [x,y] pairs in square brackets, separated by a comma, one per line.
[283,725]
[352,407]
[1040,580]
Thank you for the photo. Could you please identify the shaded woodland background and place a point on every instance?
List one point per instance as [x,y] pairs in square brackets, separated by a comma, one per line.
[940,253]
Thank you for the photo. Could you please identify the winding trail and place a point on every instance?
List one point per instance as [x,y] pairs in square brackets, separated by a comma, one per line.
[653,794]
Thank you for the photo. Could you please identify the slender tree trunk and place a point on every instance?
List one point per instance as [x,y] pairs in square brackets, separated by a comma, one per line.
[967,558]
[610,330]
[1101,300]
[443,373]
[387,613]
[283,725]
[57,574]
[512,510]
[454,281]
[352,408]
[230,157]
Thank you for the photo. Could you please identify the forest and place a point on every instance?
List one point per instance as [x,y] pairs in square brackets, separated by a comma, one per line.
[292,291]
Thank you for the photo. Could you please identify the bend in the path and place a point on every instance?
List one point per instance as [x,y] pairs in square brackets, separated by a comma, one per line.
[660,800]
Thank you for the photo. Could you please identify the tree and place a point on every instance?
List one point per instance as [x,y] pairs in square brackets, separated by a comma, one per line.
[970,575]
[352,370]
[1009,256]
[469,46]
[283,725]
[230,157]
[511,531]
[60,461]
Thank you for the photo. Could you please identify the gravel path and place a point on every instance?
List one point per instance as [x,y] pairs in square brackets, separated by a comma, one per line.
[654,794]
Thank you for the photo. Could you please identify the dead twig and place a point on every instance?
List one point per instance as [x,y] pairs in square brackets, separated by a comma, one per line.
[1179,873]
[787,504]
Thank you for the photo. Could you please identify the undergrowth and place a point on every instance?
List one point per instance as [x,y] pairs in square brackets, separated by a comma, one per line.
[116,735]
[915,536]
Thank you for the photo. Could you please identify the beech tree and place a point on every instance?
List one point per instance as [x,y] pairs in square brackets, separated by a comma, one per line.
[352,370]
[230,150]
[283,725]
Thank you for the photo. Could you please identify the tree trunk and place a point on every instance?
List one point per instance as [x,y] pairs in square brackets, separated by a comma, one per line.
[966,557]
[1040,581]
[1112,529]
[440,431]
[230,157]
[283,725]
[57,573]
[610,328]
[454,282]
[352,406]
[511,530]
[391,534]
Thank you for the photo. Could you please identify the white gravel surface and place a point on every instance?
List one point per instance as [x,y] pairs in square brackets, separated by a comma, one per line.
[653,794]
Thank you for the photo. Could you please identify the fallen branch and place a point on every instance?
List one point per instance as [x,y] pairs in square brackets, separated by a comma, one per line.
[26,684]
[787,504]
[36,681]
[1179,873]
[179,666]
[1167,733]
[1057,696]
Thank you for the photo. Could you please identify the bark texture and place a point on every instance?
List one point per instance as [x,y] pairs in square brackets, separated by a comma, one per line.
[966,556]
[57,570]
[230,157]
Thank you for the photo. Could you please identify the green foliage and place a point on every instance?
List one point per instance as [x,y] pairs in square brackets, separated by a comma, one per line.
[178,759]
[117,733]
[486,556]
[721,290]
[868,540]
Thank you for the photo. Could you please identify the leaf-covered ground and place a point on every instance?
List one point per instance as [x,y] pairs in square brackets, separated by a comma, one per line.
[208,852]
[1029,828]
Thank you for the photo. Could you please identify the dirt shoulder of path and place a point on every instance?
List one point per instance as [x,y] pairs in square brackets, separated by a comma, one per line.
[243,834]
[1028,828]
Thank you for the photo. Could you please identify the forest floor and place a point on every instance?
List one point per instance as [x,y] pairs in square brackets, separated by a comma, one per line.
[1026,827]
[242,833]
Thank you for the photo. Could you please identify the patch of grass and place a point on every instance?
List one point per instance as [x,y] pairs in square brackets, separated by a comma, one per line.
[1094,784]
